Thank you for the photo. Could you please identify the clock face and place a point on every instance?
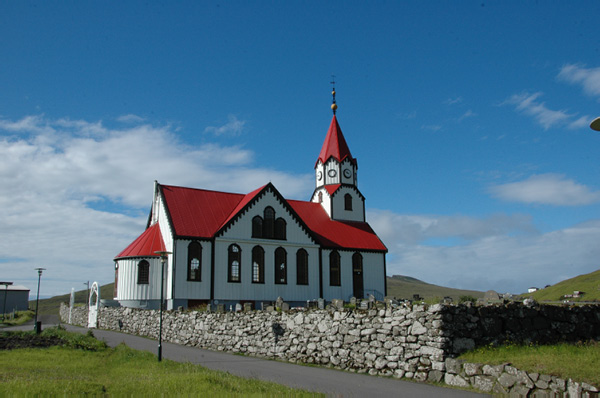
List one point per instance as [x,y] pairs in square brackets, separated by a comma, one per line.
[319,175]
[331,173]
[347,173]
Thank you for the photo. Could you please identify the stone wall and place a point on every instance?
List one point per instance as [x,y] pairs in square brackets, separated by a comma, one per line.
[404,341]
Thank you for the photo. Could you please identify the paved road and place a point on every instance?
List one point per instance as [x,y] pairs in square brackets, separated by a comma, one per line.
[332,382]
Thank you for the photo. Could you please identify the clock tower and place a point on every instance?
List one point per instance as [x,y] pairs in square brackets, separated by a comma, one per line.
[336,176]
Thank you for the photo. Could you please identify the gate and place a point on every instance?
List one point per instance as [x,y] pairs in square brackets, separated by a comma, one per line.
[93,306]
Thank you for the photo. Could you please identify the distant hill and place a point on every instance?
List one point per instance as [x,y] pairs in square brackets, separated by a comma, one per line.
[51,306]
[588,283]
[404,287]
[398,286]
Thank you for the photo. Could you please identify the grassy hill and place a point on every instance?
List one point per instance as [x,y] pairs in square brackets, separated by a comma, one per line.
[51,306]
[588,283]
[405,287]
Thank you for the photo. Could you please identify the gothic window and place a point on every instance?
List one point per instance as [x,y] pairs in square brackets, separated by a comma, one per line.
[257,227]
[280,228]
[320,197]
[357,263]
[334,269]
[234,261]
[280,266]
[348,202]
[194,261]
[258,265]
[301,267]
[269,223]
[143,272]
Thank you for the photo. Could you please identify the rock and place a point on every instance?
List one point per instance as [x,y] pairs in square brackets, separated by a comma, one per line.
[483,383]
[435,376]
[507,380]
[455,380]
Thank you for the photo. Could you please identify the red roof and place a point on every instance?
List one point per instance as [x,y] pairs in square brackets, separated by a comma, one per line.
[334,233]
[199,213]
[146,245]
[332,188]
[335,145]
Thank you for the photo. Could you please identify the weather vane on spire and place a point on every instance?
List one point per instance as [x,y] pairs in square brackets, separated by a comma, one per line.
[333,104]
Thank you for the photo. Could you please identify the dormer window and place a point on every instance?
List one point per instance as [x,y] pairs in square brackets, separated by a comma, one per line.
[269,227]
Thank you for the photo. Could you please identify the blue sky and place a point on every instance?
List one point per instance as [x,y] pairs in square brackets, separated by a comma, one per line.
[469,120]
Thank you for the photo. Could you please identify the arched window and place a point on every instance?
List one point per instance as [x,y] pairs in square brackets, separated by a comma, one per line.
[301,267]
[143,272]
[280,266]
[348,202]
[258,265]
[334,269]
[320,197]
[234,261]
[257,227]
[280,227]
[269,223]
[194,271]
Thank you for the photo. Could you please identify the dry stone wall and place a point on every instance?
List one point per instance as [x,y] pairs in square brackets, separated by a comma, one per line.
[417,342]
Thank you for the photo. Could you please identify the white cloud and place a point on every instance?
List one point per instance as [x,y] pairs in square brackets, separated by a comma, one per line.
[469,113]
[529,105]
[453,101]
[550,189]
[233,127]
[130,118]
[588,78]
[501,252]
[76,193]
[432,127]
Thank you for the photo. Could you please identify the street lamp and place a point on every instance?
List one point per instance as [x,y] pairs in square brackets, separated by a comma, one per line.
[595,125]
[163,259]
[37,300]
[6,284]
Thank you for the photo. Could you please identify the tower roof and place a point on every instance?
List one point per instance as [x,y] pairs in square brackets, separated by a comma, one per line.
[335,145]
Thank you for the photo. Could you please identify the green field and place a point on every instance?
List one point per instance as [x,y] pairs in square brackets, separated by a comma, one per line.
[588,283]
[92,369]
[580,362]
[404,287]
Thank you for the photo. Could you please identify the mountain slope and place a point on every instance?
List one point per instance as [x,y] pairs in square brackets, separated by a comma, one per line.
[404,287]
[588,283]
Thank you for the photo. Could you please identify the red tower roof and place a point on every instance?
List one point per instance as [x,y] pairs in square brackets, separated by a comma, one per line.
[146,245]
[335,145]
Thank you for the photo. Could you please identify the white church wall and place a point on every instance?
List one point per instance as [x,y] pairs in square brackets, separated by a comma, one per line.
[332,172]
[339,211]
[193,290]
[167,235]
[326,199]
[127,284]
[373,271]
[269,290]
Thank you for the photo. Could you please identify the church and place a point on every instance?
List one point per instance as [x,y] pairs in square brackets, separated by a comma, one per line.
[229,248]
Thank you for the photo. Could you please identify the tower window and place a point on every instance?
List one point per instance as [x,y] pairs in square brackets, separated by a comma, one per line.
[320,197]
[234,261]
[143,272]
[194,261]
[334,269]
[269,223]
[347,202]
[280,266]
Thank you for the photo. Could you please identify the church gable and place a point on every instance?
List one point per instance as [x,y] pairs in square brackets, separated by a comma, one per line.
[267,216]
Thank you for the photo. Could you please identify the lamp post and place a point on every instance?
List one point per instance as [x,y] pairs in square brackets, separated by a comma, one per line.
[6,284]
[163,259]
[37,300]
[595,125]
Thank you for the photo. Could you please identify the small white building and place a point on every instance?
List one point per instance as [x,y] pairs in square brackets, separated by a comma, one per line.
[230,248]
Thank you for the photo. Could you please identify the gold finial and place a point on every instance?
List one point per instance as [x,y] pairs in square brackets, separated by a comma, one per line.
[333,104]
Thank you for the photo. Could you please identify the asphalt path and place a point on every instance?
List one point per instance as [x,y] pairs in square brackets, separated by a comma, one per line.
[329,381]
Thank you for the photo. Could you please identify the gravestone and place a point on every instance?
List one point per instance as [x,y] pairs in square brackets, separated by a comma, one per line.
[321,304]
[353,301]
[285,307]
[247,307]
[278,302]
[238,307]
[220,308]
[337,303]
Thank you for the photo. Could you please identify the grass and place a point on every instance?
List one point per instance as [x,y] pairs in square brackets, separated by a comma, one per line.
[588,283]
[20,318]
[579,362]
[404,287]
[120,371]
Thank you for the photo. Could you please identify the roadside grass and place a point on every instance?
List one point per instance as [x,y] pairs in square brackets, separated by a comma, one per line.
[119,371]
[21,317]
[579,361]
